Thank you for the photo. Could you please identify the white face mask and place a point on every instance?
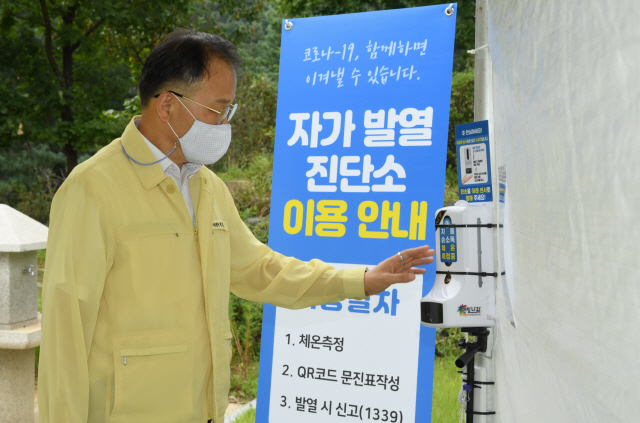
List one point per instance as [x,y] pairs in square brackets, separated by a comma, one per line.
[204,144]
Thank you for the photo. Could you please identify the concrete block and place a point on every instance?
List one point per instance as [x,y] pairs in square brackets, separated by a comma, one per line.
[19,232]
[18,290]
[21,338]
[17,385]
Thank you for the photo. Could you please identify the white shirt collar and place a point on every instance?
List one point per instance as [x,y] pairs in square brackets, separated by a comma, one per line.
[167,163]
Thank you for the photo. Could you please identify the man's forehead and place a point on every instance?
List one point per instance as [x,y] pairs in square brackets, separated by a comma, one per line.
[220,85]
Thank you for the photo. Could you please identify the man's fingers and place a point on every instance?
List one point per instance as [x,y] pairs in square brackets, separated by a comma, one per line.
[415,252]
[418,261]
[401,277]
[400,268]
[419,252]
[407,256]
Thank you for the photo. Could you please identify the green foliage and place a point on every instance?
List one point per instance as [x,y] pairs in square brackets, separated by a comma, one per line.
[42,257]
[33,199]
[447,342]
[252,199]
[66,74]
[303,8]
[244,381]
[254,123]
[260,229]
[260,50]
[78,59]
[451,186]
[24,161]
[461,110]
[246,322]
[246,329]
[465,35]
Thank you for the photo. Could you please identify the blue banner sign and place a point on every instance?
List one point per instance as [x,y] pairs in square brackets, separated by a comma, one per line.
[474,162]
[359,166]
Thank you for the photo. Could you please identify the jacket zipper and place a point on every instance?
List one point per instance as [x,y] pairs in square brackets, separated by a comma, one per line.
[195,226]
[203,181]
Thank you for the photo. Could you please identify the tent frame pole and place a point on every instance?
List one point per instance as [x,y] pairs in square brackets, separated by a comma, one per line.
[483,110]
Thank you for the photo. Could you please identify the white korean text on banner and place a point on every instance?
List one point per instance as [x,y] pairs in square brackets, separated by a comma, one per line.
[359,167]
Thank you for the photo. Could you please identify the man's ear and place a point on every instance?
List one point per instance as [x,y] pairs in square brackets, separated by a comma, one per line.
[164,106]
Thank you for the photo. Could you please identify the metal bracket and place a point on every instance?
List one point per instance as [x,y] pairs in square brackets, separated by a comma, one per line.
[449,10]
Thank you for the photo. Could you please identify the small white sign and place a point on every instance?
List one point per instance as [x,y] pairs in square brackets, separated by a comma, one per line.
[351,359]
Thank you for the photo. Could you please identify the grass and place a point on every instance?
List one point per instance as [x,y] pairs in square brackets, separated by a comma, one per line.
[248,416]
[244,381]
[446,385]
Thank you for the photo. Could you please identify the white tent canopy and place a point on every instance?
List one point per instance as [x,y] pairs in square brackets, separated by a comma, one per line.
[566,111]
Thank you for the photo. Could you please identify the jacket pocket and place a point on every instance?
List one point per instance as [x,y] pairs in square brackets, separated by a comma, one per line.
[153,383]
[156,265]
[219,225]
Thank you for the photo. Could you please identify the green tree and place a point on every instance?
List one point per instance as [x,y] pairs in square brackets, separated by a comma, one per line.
[461,110]
[260,49]
[66,62]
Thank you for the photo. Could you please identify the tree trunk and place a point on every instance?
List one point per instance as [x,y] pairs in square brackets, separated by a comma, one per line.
[72,157]
[67,83]
[69,151]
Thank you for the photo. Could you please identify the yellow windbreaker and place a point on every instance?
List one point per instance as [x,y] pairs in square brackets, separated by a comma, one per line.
[135,323]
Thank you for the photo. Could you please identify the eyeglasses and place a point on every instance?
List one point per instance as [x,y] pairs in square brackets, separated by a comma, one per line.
[226,113]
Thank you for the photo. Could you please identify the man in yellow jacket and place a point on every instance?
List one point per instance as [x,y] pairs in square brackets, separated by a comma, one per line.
[145,244]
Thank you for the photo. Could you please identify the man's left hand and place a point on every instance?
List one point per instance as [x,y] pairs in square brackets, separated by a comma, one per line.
[399,268]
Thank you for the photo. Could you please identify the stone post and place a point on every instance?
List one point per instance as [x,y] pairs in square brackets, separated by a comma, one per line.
[20,237]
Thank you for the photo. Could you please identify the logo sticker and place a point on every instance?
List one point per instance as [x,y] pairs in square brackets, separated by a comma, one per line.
[465,310]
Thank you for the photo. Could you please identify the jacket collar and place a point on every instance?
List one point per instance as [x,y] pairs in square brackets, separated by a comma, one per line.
[150,176]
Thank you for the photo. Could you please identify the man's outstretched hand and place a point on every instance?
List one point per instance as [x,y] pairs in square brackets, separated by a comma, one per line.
[397,269]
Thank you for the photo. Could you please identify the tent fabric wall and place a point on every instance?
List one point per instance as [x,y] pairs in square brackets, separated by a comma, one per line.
[566,121]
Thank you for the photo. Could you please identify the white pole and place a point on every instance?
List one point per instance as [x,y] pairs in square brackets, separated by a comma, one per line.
[483,110]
